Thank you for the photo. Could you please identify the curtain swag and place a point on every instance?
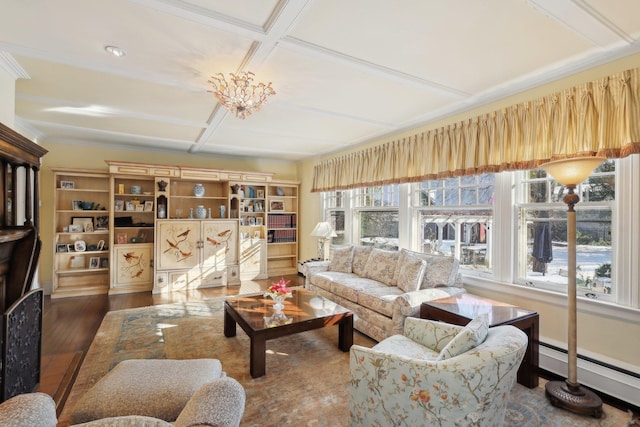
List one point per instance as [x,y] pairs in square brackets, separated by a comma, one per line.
[600,118]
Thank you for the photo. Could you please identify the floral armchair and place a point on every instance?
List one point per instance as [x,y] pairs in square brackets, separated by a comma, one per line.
[436,374]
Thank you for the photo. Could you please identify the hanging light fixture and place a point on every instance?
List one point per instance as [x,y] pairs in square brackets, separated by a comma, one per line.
[239,95]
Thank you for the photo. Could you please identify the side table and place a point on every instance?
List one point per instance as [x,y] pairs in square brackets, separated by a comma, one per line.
[462,308]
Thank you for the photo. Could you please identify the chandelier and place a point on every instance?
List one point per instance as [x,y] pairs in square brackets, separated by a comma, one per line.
[239,95]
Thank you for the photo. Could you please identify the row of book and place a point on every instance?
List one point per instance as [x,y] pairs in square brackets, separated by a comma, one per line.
[282,221]
[281,236]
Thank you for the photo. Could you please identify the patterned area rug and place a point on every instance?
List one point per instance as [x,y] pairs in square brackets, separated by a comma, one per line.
[307,375]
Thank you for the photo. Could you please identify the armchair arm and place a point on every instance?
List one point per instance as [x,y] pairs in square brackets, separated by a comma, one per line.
[408,304]
[218,403]
[29,409]
[430,333]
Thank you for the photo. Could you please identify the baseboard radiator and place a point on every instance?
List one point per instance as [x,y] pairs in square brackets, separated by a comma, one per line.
[615,382]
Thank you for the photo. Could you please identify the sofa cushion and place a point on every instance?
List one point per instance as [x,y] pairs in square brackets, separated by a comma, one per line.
[157,388]
[411,273]
[360,258]
[325,279]
[341,259]
[469,337]
[402,346]
[349,287]
[440,270]
[381,265]
[379,298]
[218,403]
[126,421]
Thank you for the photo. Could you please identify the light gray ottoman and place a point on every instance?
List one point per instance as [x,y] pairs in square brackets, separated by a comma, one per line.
[158,388]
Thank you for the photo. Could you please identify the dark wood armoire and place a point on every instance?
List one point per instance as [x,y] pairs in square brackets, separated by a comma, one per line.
[20,305]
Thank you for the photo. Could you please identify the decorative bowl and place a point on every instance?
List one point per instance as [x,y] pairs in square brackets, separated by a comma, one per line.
[87,206]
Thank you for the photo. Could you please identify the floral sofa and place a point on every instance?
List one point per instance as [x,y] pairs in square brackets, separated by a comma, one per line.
[382,287]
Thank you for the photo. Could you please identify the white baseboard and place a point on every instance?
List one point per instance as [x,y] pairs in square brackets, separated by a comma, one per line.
[598,377]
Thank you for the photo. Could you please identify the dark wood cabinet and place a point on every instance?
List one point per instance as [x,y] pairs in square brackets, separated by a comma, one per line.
[21,306]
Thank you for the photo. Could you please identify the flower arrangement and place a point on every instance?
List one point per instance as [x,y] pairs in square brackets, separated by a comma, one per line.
[278,289]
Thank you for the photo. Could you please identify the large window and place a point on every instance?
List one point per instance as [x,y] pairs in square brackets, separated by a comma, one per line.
[509,227]
[455,216]
[542,237]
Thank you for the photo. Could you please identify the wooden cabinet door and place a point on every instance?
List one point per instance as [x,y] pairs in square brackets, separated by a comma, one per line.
[177,244]
[219,243]
[133,264]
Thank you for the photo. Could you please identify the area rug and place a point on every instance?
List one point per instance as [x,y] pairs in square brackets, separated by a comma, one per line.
[307,375]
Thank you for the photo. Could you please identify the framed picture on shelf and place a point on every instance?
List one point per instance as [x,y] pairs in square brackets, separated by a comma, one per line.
[142,236]
[131,206]
[104,262]
[119,205]
[77,261]
[100,246]
[102,223]
[67,185]
[76,228]
[94,262]
[82,221]
[252,220]
[148,206]
[88,227]
[260,194]
[70,247]
[61,247]
[276,205]
[259,220]
[76,205]
[121,238]
[258,206]
[139,208]
[256,234]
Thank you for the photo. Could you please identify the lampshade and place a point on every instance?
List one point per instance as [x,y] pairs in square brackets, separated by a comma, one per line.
[571,172]
[324,230]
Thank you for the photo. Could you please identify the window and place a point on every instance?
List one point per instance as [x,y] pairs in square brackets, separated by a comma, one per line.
[376,216]
[335,203]
[455,216]
[542,231]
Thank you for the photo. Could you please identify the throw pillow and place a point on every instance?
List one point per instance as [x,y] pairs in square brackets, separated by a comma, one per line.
[381,266]
[360,258]
[341,259]
[411,273]
[440,271]
[469,337]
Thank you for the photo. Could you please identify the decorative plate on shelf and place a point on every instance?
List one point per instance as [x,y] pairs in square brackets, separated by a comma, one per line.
[80,246]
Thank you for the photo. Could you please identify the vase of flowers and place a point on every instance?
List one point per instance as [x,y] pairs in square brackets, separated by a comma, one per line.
[278,291]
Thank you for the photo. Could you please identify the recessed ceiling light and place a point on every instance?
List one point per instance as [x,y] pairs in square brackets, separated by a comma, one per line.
[115,51]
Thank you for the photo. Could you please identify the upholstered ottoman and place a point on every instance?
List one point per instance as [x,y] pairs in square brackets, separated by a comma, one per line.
[158,388]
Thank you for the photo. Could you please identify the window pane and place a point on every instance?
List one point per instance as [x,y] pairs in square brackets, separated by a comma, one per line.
[547,248]
[379,229]
[336,219]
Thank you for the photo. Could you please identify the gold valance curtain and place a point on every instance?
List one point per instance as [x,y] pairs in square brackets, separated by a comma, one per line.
[601,118]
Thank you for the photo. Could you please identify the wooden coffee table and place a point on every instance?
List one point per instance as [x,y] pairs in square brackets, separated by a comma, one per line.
[304,311]
[462,308]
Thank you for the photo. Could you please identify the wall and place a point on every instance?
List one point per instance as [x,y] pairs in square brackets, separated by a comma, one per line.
[91,157]
[7,98]
[606,336]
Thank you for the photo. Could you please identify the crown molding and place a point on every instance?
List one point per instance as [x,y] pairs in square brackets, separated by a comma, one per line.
[11,66]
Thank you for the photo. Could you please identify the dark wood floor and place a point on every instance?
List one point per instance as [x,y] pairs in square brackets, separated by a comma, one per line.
[70,324]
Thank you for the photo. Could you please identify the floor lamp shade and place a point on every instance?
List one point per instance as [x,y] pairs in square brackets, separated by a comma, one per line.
[570,394]
[324,232]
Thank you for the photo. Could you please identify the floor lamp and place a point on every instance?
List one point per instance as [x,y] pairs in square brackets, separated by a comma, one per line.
[324,232]
[569,394]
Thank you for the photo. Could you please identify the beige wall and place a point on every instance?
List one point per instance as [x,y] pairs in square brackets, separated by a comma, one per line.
[597,334]
[90,157]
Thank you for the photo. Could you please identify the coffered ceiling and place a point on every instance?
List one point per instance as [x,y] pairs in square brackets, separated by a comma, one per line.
[345,71]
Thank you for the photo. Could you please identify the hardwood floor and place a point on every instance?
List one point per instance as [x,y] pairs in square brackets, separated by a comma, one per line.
[70,324]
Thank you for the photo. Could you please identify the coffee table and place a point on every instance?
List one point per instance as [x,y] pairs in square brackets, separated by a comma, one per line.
[304,311]
[462,308]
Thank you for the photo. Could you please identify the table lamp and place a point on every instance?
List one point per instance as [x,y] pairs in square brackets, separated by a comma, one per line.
[324,232]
